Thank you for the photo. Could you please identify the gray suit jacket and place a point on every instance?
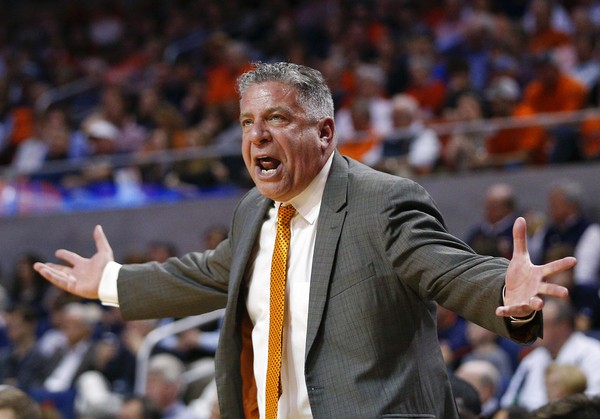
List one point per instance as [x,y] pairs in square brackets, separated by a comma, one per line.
[382,256]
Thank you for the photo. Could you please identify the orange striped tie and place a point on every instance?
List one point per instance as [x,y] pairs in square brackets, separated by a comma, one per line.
[277,301]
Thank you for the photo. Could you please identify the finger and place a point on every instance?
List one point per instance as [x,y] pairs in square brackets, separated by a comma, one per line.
[56,274]
[520,310]
[558,265]
[520,236]
[553,290]
[68,256]
[101,241]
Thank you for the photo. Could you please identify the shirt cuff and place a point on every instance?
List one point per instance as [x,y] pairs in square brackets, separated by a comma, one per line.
[107,290]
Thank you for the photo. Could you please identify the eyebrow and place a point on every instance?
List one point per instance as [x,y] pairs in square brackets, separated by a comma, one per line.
[268,111]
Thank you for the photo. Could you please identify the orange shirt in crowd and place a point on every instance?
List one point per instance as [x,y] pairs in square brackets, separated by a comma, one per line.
[567,95]
[590,135]
[530,138]
[361,145]
[221,83]
[431,97]
[548,40]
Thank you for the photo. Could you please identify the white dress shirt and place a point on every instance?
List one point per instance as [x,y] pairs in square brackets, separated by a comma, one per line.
[294,403]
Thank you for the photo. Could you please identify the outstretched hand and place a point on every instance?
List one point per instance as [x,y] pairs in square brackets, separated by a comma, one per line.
[82,275]
[525,284]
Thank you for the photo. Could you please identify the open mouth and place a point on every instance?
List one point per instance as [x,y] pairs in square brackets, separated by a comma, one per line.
[268,165]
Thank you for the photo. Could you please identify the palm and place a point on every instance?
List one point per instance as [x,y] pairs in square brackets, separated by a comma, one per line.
[81,276]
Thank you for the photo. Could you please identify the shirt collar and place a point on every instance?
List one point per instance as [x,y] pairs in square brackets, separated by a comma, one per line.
[308,202]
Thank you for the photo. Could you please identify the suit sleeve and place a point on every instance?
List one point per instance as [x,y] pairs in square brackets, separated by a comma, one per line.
[193,284]
[440,267]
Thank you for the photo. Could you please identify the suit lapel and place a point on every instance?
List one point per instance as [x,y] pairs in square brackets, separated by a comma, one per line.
[329,228]
[248,233]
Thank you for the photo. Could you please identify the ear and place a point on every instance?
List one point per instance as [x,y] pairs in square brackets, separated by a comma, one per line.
[327,133]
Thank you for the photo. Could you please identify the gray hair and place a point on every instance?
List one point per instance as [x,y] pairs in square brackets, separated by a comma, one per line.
[313,91]
[572,190]
[168,366]
[87,314]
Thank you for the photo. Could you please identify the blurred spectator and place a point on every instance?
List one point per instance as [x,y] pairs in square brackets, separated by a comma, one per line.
[585,303]
[466,398]
[93,398]
[549,26]
[22,362]
[411,148]
[165,386]
[16,404]
[511,412]
[475,46]
[562,380]
[554,91]
[450,28]
[102,137]
[364,145]
[493,235]
[452,334]
[115,108]
[586,68]
[161,250]
[139,407]
[485,347]
[115,359]
[28,287]
[77,356]
[168,133]
[577,406]
[561,344]
[206,406]
[458,83]
[516,145]
[230,59]
[485,378]
[51,141]
[570,226]
[590,126]
[213,236]
[465,149]
[428,90]
[371,97]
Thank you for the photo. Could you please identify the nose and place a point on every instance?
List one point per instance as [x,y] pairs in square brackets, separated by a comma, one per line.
[259,133]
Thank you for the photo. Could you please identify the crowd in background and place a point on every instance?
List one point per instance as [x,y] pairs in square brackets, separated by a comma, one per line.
[118,96]
[122,98]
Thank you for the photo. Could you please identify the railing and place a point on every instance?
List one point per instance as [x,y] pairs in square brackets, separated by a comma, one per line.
[18,197]
[221,150]
[158,334]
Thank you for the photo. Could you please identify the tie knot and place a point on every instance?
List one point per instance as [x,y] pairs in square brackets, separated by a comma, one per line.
[285,214]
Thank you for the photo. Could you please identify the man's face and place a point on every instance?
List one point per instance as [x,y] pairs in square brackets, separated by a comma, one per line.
[283,149]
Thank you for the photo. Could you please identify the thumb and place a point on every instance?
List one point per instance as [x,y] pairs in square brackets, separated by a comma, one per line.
[102,244]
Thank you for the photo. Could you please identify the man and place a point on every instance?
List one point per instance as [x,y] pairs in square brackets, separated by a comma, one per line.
[68,362]
[552,91]
[562,345]
[493,235]
[139,407]
[570,229]
[368,255]
[486,379]
[165,386]
[16,404]
[21,362]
